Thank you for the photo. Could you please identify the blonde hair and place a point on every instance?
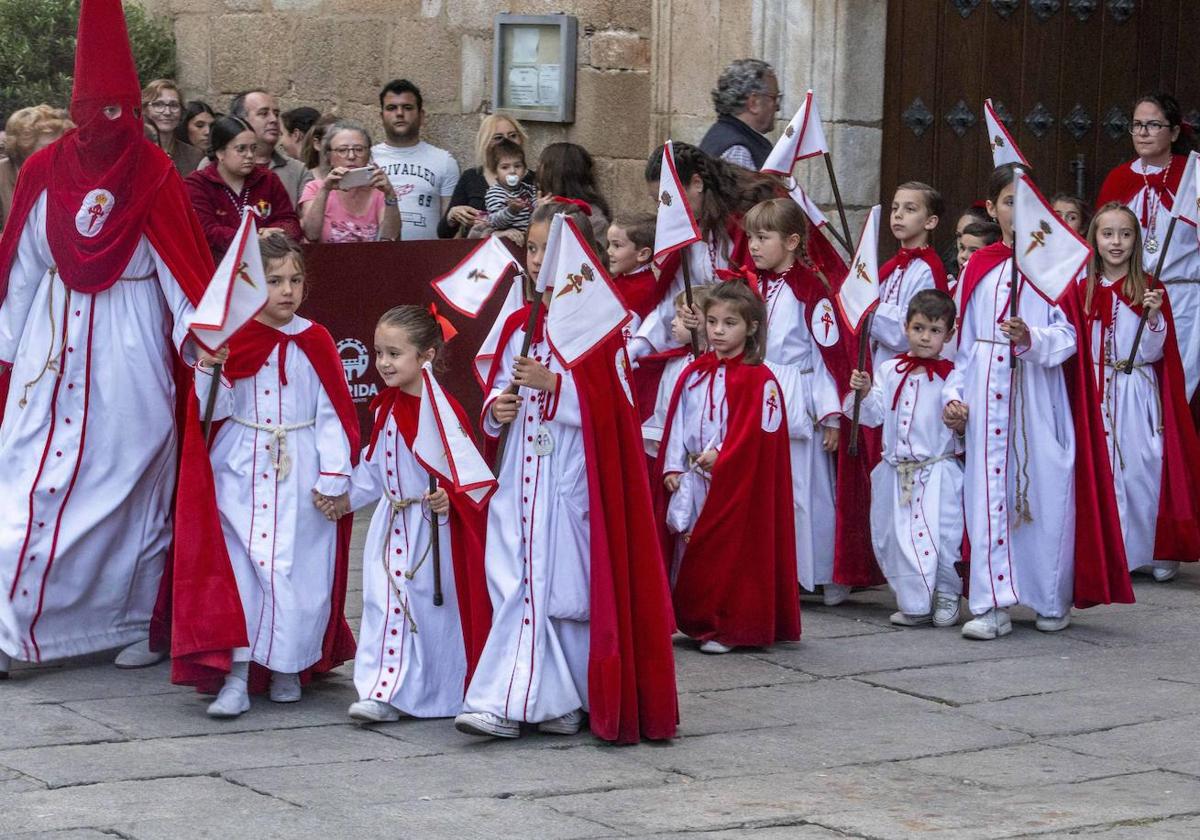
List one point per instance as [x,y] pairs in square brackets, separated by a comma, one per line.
[1135,283]
[29,125]
[699,297]
[487,128]
[782,216]
[154,89]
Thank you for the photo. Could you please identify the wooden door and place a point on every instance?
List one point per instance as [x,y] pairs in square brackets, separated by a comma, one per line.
[1063,74]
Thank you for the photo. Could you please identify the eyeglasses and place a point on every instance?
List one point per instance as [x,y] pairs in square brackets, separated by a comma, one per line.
[243,149]
[1147,127]
[347,151]
[159,105]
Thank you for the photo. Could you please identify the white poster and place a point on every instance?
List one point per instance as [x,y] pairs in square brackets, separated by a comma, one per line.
[523,87]
[525,45]
[548,84]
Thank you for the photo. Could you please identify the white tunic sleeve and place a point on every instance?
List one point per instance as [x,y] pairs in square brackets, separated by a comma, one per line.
[333,449]
[366,485]
[871,411]
[563,404]
[223,407]
[1052,344]
[675,460]
[26,274]
[887,325]
[179,305]
[506,360]
[826,401]
[1154,340]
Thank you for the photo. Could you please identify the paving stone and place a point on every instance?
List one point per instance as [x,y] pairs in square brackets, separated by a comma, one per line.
[1023,765]
[1172,828]
[40,725]
[788,832]
[85,680]
[200,755]
[695,671]
[1169,744]
[1133,625]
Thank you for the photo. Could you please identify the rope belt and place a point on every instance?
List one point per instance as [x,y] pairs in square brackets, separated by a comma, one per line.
[279,456]
[1109,405]
[908,473]
[396,506]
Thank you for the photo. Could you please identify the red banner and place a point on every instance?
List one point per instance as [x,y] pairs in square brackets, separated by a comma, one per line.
[351,285]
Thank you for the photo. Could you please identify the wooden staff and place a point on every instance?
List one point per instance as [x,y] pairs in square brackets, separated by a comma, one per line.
[1014,293]
[1162,259]
[864,339]
[687,294]
[837,196]
[535,308]
[435,547]
[210,404]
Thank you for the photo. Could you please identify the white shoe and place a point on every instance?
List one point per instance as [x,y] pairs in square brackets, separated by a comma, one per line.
[945,609]
[232,701]
[5,665]
[715,647]
[1165,570]
[487,725]
[904,619]
[568,724]
[1050,624]
[834,594]
[285,688]
[374,711]
[991,625]
[139,655]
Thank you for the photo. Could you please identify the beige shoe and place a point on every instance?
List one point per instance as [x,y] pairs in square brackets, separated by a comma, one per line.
[1050,624]
[834,593]
[991,625]
[568,724]
[374,711]
[138,655]
[904,619]
[487,725]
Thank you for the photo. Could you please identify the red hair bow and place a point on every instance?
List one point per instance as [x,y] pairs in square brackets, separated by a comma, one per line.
[448,330]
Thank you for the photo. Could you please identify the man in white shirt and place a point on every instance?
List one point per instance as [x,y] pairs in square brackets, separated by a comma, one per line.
[422,175]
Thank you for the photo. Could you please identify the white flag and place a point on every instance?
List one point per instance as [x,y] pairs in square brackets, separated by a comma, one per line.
[487,353]
[802,138]
[584,308]
[860,290]
[674,228]
[1047,251]
[1004,148]
[1187,197]
[444,448]
[468,286]
[236,293]
[806,204]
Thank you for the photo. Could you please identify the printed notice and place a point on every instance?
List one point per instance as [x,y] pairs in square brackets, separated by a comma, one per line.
[548,84]
[525,41]
[523,87]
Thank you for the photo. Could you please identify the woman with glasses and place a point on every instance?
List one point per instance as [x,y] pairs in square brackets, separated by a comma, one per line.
[232,184]
[332,209]
[162,111]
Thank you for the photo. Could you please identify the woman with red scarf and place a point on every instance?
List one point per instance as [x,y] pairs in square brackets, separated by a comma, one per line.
[1147,185]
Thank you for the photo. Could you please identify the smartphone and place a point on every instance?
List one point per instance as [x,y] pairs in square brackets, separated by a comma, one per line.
[358,177]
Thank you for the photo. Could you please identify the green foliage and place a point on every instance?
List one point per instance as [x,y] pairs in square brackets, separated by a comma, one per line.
[37,50]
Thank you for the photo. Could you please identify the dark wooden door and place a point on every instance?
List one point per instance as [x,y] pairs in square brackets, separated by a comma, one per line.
[1063,74]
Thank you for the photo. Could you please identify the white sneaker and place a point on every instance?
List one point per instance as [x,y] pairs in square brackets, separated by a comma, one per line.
[1165,570]
[945,609]
[139,655]
[285,688]
[568,724]
[232,701]
[1051,624]
[487,725]
[5,665]
[991,625]
[714,647]
[834,594]
[374,711]
[904,619]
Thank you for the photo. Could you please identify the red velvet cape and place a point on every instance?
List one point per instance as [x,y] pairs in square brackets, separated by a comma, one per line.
[1101,572]
[853,556]
[205,611]
[639,291]
[1177,532]
[1122,183]
[906,255]
[631,663]
[468,525]
[737,579]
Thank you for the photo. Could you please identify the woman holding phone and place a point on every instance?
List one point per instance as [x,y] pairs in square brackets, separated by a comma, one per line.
[355,202]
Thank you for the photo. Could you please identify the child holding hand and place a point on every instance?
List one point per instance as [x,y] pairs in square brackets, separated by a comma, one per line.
[673,363]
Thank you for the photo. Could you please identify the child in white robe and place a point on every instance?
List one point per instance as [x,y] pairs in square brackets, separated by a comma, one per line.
[916,490]
[678,359]
[282,441]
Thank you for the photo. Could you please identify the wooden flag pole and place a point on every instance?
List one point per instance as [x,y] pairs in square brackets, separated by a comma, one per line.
[535,309]
[864,339]
[1014,289]
[210,404]
[837,196]
[435,547]
[1162,259]
[687,294]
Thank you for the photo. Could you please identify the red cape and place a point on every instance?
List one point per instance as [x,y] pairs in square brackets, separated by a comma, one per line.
[1101,572]
[468,525]
[1122,183]
[853,556]
[737,579]
[631,664]
[639,291]
[205,610]
[1177,533]
[906,255]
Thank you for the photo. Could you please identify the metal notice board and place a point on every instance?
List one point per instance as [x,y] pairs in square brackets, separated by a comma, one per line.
[533,70]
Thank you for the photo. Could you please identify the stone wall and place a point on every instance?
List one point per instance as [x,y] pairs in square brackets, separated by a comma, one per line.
[336,54]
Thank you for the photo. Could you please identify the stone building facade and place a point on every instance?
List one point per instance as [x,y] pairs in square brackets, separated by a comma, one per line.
[645,69]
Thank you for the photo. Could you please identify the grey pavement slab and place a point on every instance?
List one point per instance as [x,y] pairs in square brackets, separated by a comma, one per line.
[32,725]
[1169,744]
[1023,765]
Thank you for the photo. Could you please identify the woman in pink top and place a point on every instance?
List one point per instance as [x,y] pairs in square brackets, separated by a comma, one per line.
[331,213]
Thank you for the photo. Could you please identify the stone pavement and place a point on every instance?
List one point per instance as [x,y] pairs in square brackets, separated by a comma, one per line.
[860,730]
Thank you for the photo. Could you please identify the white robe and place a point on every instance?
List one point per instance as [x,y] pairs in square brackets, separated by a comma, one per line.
[1020,446]
[89,459]
[280,546]
[1180,274]
[917,541]
[654,332]
[652,429]
[534,666]
[888,337]
[421,672]
[812,403]
[1132,412]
